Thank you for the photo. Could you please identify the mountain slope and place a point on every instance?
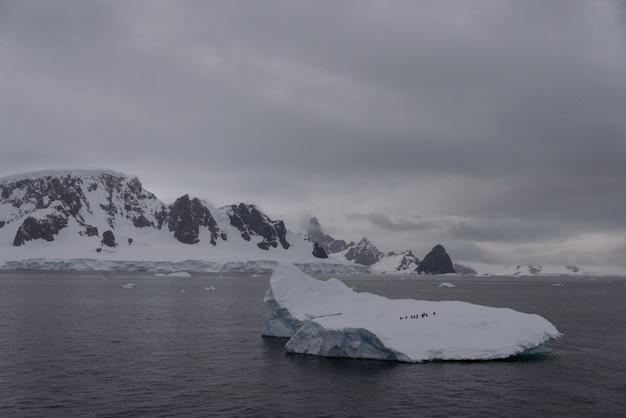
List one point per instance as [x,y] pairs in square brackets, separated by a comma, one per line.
[364,253]
[397,263]
[71,214]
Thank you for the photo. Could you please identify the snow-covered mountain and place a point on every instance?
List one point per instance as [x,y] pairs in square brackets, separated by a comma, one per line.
[397,263]
[104,215]
[364,253]
[97,218]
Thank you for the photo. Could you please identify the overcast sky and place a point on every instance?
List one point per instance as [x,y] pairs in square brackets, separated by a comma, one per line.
[495,128]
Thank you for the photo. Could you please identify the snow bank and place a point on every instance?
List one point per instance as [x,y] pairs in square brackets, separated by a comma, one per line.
[327,318]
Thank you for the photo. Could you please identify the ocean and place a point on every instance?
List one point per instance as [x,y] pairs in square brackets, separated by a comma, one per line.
[79,344]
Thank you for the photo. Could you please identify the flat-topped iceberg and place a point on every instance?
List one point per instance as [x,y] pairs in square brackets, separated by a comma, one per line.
[327,318]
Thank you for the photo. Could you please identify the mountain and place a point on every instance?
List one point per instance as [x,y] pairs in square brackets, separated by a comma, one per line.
[397,263]
[185,218]
[104,215]
[364,253]
[330,245]
[100,218]
[250,221]
[437,261]
[39,206]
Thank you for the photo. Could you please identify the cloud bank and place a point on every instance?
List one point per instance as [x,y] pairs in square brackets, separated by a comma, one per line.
[494,128]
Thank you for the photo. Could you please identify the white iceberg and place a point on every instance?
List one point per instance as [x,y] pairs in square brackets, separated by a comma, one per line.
[327,318]
[446,284]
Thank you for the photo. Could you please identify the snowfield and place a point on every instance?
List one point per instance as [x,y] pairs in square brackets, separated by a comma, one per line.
[327,318]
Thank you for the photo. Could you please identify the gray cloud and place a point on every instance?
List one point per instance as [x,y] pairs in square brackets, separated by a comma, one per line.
[382,221]
[470,122]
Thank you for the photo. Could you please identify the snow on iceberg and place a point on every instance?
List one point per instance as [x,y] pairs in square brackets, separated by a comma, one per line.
[327,318]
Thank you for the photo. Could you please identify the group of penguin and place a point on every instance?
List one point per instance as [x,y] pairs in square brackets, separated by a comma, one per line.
[417,316]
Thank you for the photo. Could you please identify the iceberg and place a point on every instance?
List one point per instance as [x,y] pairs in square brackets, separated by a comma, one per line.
[447,284]
[327,318]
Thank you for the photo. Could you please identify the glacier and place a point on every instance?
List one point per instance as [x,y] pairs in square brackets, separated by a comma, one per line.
[169,267]
[327,318]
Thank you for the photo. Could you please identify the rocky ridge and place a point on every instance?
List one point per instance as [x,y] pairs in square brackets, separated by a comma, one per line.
[364,253]
[112,208]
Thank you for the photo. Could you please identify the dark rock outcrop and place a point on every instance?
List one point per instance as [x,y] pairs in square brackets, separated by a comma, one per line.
[187,216]
[251,221]
[329,244]
[318,251]
[364,253]
[437,261]
[108,239]
[46,228]
[90,231]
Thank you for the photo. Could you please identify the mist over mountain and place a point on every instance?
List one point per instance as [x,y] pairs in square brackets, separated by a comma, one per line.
[330,245]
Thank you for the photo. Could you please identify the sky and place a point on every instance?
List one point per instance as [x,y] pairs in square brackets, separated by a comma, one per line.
[495,128]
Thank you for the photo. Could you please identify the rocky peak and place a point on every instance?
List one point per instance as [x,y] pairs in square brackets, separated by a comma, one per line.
[437,261]
[187,216]
[318,251]
[330,245]
[364,253]
[250,221]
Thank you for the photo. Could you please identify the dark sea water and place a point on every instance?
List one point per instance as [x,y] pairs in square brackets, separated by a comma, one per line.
[75,344]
